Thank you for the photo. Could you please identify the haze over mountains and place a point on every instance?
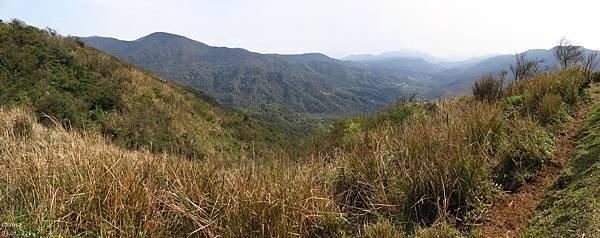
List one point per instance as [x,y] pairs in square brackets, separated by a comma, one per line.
[306,83]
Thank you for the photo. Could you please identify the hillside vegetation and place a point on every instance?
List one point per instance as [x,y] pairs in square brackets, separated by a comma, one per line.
[307,83]
[81,88]
[424,169]
[571,208]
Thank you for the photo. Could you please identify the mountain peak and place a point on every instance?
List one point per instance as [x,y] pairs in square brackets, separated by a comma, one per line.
[166,37]
[306,57]
[160,34]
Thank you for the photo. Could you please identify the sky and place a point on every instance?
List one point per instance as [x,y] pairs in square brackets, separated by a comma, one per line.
[453,29]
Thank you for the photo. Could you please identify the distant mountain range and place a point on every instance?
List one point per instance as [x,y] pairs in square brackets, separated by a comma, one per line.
[306,83]
[393,54]
[415,54]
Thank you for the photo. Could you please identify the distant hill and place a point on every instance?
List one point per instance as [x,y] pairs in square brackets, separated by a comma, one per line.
[416,69]
[306,83]
[393,54]
[63,81]
[442,62]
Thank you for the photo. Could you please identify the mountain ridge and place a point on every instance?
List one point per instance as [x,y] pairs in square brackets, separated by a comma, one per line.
[305,83]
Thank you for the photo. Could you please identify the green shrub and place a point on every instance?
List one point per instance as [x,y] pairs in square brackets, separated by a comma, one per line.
[342,133]
[61,107]
[398,114]
[512,105]
[352,128]
[523,151]
[488,88]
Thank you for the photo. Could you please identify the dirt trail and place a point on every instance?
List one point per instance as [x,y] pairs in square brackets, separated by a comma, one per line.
[510,213]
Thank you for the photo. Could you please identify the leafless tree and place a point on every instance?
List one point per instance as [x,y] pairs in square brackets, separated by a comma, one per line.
[589,64]
[523,67]
[567,54]
[502,75]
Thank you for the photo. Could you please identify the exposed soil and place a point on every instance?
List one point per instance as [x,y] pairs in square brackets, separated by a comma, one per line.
[510,213]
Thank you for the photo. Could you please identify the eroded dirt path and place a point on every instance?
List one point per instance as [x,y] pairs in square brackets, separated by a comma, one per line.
[510,213]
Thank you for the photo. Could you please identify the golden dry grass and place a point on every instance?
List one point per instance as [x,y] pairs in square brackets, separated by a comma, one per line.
[434,169]
[60,183]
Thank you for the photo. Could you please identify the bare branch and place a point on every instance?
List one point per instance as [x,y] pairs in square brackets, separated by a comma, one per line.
[567,54]
[589,64]
[523,67]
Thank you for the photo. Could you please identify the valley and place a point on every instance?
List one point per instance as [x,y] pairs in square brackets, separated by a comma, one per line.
[165,136]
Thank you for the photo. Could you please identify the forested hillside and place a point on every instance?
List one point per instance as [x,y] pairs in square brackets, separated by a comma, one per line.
[65,82]
[308,83]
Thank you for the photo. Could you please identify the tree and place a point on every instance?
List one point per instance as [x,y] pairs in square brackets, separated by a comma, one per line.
[523,67]
[589,64]
[567,54]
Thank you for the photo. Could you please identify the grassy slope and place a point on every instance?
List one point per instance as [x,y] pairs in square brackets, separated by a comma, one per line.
[416,165]
[88,90]
[58,183]
[571,208]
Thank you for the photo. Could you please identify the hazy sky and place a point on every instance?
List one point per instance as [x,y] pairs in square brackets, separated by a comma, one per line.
[444,28]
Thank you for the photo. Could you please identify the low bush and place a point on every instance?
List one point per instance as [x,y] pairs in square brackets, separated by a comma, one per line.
[398,113]
[61,108]
[512,105]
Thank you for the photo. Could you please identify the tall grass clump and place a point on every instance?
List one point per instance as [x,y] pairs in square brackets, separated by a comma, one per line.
[434,165]
[552,110]
[488,88]
[524,150]
[444,158]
